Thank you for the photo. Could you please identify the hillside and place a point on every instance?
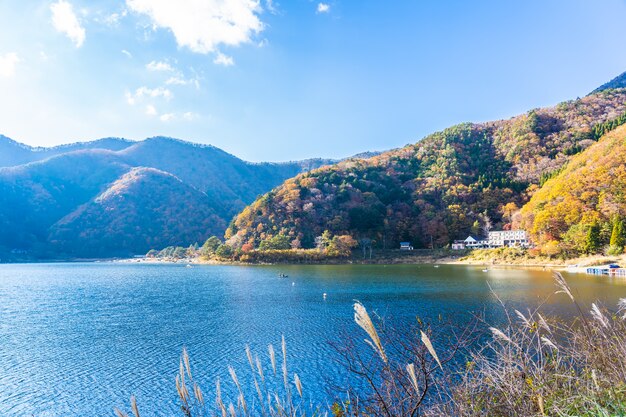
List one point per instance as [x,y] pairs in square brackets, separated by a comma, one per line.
[48,194]
[13,153]
[34,196]
[451,183]
[617,82]
[576,209]
[145,208]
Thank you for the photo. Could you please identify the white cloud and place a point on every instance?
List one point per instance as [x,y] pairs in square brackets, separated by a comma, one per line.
[225,60]
[269,4]
[145,92]
[8,62]
[202,25]
[151,110]
[113,20]
[190,116]
[65,21]
[178,79]
[159,66]
[128,54]
[323,7]
[153,93]
[167,117]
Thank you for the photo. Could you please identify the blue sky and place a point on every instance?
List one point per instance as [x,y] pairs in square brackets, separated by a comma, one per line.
[280,80]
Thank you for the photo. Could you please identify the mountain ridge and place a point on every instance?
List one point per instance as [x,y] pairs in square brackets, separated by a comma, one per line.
[468,177]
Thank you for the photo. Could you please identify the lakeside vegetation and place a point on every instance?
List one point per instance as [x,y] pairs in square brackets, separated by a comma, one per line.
[531,365]
[470,177]
[581,211]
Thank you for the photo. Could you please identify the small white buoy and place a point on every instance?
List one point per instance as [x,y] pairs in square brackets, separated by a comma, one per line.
[485,270]
[293,284]
[324,296]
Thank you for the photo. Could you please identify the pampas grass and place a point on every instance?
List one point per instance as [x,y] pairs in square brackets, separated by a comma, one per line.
[527,366]
[362,318]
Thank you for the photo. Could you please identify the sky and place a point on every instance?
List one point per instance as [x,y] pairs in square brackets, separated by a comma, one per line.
[285,80]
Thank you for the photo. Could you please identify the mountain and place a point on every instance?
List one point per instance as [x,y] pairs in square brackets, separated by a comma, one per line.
[145,208]
[587,193]
[13,153]
[54,200]
[464,179]
[228,181]
[617,82]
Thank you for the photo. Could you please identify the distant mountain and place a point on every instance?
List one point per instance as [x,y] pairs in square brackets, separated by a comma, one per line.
[617,82]
[466,178]
[589,192]
[145,208]
[56,201]
[13,153]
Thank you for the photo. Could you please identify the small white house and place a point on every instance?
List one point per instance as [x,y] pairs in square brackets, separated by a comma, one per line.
[458,245]
[474,242]
[406,246]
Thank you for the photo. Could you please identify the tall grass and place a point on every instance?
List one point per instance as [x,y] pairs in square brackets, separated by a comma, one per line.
[532,365]
[267,391]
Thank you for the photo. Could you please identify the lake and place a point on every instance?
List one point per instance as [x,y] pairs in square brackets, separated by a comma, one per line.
[79,339]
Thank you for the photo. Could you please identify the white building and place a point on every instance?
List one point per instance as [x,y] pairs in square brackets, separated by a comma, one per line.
[511,238]
[474,242]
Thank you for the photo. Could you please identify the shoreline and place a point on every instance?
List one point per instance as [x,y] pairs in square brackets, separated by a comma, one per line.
[382,258]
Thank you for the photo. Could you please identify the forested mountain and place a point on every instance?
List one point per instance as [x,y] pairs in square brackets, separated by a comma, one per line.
[13,153]
[617,82]
[464,179]
[89,199]
[144,209]
[578,209]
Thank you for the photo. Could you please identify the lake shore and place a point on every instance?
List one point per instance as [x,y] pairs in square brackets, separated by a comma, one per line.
[420,257]
[488,258]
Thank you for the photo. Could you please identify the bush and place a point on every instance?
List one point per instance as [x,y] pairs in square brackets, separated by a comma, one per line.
[278,242]
[224,252]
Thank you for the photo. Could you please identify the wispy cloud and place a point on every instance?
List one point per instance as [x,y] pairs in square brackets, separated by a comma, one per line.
[151,110]
[270,6]
[113,19]
[65,21]
[178,79]
[128,54]
[8,62]
[159,66]
[201,26]
[167,117]
[225,60]
[146,92]
[323,7]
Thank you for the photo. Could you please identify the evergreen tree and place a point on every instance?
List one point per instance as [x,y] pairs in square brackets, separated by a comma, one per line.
[592,241]
[617,237]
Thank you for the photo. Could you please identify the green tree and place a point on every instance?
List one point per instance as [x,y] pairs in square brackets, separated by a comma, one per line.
[210,246]
[322,242]
[224,252]
[592,241]
[278,242]
[617,237]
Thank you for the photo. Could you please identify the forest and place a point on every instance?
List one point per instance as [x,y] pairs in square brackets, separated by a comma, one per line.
[469,178]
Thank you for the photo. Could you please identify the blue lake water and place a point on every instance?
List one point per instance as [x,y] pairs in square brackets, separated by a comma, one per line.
[79,339]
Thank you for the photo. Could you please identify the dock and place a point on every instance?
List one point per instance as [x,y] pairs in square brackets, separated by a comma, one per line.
[611,270]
